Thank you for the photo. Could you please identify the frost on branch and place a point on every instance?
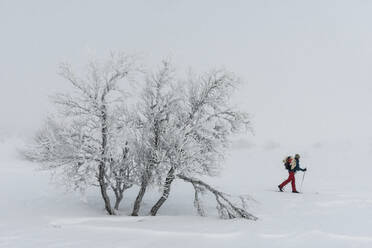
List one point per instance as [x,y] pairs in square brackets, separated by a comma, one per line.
[226,208]
[174,129]
[152,120]
[201,128]
[67,150]
[85,140]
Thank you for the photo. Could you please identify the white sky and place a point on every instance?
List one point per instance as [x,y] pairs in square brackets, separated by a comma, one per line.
[307,64]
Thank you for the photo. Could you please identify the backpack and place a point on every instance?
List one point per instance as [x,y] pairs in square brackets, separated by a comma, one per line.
[287,162]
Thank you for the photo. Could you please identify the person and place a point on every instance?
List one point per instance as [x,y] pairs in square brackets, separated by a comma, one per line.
[292,165]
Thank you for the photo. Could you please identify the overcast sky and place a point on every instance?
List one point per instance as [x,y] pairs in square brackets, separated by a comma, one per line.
[307,64]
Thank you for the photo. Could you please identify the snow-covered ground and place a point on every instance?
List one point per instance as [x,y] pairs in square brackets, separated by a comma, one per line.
[335,209]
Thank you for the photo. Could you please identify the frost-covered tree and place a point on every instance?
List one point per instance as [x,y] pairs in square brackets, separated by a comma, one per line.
[152,120]
[199,135]
[84,140]
[174,129]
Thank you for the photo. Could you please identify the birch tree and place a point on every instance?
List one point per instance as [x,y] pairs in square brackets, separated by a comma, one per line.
[153,117]
[84,138]
[174,130]
[197,145]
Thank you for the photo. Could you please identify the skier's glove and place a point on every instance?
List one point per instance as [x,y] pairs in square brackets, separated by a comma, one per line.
[305,169]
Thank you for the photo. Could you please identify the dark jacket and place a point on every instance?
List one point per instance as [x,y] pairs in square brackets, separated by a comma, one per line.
[297,167]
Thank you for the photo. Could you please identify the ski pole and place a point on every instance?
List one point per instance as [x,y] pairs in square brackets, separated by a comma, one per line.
[303,177]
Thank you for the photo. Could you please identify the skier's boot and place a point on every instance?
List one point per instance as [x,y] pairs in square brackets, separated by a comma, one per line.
[280,188]
[295,191]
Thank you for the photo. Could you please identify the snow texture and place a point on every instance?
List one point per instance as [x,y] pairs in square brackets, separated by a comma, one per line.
[333,211]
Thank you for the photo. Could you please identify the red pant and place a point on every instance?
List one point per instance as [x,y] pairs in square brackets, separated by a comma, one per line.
[292,179]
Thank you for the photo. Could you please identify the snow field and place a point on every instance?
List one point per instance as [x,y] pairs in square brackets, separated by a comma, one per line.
[335,209]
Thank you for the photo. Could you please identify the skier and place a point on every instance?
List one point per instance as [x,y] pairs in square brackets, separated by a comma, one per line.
[292,166]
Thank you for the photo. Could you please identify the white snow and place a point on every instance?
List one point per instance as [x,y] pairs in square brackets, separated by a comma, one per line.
[335,209]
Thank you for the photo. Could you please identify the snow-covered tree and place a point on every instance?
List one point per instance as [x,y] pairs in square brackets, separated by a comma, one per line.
[199,135]
[174,129]
[85,140]
[153,113]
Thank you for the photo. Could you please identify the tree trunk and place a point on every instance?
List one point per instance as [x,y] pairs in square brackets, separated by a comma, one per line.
[102,164]
[118,198]
[137,203]
[147,175]
[117,203]
[164,197]
[103,187]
